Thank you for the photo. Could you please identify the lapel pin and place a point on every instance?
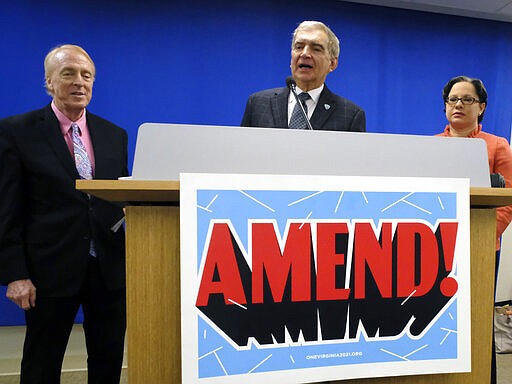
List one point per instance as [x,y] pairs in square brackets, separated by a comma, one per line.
[327,107]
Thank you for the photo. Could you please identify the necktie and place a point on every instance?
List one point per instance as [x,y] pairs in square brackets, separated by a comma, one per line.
[298,121]
[82,161]
[83,165]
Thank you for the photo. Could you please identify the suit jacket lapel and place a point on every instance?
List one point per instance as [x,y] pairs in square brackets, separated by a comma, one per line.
[102,139]
[324,108]
[50,130]
[280,108]
[98,144]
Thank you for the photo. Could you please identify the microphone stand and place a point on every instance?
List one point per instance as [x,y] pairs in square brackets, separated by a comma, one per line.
[292,85]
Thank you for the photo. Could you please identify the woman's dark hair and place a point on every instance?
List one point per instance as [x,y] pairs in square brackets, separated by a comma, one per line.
[479,88]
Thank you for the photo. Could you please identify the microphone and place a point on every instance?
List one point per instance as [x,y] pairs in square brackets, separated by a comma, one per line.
[291,84]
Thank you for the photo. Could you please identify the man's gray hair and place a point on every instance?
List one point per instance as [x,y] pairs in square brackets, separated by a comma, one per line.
[333,44]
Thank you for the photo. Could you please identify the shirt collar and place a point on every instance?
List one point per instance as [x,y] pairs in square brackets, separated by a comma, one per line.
[313,93]
[65,122]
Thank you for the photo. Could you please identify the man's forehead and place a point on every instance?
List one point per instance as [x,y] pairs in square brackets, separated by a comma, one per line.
[316,36]
[65,56]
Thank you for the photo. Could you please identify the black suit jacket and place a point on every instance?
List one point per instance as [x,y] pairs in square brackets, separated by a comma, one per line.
[269,109]
[45,223]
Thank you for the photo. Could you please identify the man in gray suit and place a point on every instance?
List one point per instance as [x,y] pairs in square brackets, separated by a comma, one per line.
[315,51]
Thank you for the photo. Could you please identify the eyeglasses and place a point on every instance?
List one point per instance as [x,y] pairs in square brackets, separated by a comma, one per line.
[466,100]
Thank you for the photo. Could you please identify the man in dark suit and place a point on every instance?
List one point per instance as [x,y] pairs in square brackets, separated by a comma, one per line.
[315,51]
[58,246]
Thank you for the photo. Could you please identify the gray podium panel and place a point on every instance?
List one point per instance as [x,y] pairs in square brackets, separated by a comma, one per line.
[165,150]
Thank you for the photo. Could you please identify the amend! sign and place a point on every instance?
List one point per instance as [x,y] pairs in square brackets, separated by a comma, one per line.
[303,279]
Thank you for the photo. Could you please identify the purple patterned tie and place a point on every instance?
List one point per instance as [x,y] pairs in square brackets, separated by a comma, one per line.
[83,164]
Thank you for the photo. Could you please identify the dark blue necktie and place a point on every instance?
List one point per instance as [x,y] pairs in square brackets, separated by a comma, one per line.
[298,120]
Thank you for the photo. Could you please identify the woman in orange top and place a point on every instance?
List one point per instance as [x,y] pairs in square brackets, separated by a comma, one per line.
[465,100]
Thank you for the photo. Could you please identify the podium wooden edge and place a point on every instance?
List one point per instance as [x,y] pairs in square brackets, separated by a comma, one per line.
[132,191]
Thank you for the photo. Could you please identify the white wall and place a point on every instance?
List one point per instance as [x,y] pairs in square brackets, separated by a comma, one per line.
[504,285]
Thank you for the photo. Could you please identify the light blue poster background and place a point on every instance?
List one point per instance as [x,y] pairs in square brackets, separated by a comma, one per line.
[217,357]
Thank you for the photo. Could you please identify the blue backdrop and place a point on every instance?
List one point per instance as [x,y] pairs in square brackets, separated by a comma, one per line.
[196,62]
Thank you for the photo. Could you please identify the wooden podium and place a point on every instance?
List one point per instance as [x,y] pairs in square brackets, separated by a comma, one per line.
[153,281]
